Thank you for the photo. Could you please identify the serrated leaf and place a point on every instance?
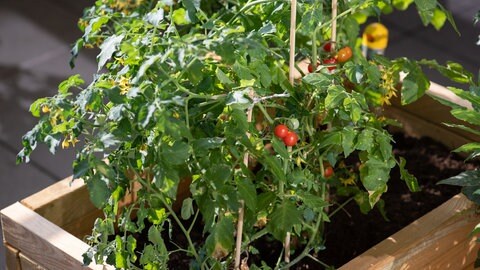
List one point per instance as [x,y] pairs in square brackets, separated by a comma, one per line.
[36,106]
[187,208]
[220,241]
[465,179]
[98,190]
[283,218]
[313,201]
[280,148]
[180,17]
[409,179]
[247,192]
[470,116]
[108,48]
[222,77]
[414,86]
[74,80]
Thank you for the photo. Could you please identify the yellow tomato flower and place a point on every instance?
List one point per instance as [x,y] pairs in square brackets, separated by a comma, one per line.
[45,109]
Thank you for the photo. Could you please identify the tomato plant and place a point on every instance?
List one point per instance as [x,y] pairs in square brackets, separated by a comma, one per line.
[327,46]
[178,89]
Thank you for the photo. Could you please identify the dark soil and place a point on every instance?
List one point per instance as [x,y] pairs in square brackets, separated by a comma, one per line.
[351,233]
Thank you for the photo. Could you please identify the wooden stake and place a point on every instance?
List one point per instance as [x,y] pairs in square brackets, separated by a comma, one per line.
[241,210]
[293,24]
[334,24]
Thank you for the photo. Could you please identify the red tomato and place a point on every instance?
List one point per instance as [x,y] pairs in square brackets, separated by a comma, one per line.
[327,46]
[328,172]
[331,62]
[344,54]
[290,139]
[281,131]
[311,68]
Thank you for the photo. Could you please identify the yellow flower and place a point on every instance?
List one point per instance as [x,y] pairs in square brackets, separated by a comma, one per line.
[45,109]
[124,85]
[350,181]
[65,143]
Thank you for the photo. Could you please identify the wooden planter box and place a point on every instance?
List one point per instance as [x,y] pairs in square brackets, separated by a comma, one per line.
[44,230]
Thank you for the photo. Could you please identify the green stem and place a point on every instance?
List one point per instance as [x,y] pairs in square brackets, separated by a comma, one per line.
[185,232]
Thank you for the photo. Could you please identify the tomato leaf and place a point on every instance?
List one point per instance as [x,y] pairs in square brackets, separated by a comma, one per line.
[283,218]
[247,192]
[220,241]
[187,208]
[409,179]
[108,48]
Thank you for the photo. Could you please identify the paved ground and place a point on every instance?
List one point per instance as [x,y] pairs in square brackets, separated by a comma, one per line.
[35,38]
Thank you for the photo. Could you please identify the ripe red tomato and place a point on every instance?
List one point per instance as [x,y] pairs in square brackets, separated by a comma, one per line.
[311,68]
[281,131]
[344,54]
[327,46]
[328,172]
[330,61]
[290,139]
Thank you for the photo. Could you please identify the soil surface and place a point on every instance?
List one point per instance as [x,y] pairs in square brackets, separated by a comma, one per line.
[351,233]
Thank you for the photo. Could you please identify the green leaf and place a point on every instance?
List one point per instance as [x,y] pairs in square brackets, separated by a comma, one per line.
[283,218]
[313,201]
[319,80]
[218,175]
[95,24]
[274,165]
[335,97]
[465,128]
[426,9]
[80,168]
[364,140]
[108,48]
[280,148]
[439,18]
[155,16]
[220,241]
[36,106]
[98,190]
[180,17]
[145,66]
[414,86]
[354,72]
[465,179]
[187,208]
[243,72]
[203,145]
[348,140]
[469,147]
[176,154]
[402,4]
[409,179]
[195,72]
[222,77]
[470,116]
[247,192]
[74,80]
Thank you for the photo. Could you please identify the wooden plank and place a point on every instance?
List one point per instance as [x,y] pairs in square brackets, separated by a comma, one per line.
[426,241]
[42,241]
[57,201]
[28,264]
[12,259]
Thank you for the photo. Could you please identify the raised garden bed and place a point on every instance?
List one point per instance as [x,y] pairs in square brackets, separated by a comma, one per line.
[44,231]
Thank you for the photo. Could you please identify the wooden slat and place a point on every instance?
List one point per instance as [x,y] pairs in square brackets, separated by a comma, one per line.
[12,259]
[57,201]
[439,237]
[28,264]
[42,241]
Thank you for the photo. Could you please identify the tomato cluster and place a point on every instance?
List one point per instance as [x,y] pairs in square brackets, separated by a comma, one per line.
[332,58]
[289,137]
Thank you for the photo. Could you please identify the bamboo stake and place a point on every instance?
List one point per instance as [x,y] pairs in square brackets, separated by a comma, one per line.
[334,24]
[241,210]
[293,23]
